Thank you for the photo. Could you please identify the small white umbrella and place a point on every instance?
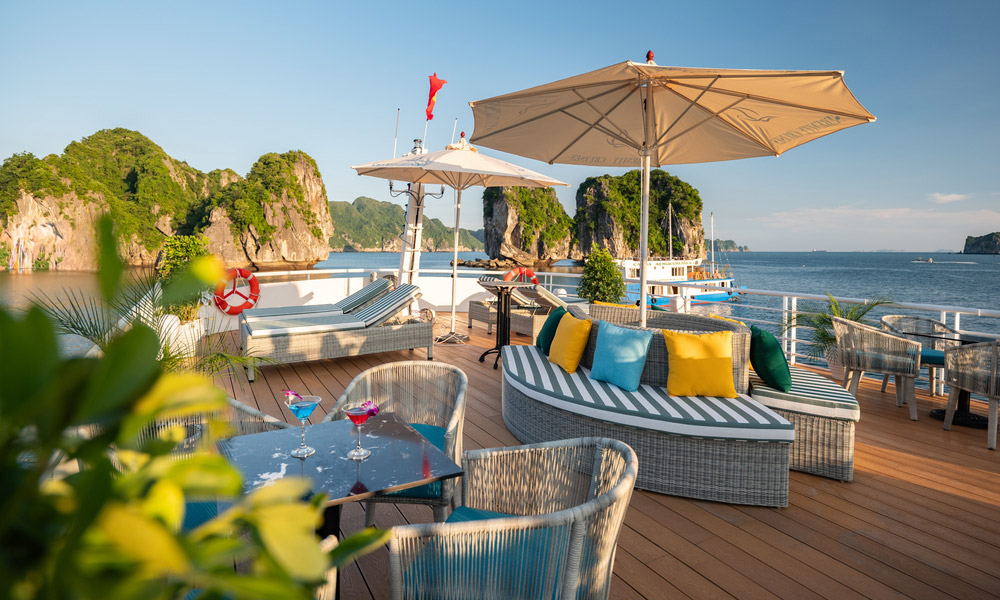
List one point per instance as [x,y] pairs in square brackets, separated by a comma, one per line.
[459,166]
[637,114]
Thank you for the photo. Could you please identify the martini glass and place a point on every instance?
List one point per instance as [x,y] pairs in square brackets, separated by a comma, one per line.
[358,415]
[302,407]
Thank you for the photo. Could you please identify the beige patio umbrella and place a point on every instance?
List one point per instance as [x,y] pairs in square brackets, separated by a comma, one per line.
[641,114]
[459,166]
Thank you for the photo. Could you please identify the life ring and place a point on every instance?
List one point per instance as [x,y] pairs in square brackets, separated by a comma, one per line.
[521,274]
[222,294]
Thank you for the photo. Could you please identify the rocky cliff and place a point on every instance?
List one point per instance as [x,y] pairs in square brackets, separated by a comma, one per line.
[986,244]
[276,217]
[607,214]
[527,225]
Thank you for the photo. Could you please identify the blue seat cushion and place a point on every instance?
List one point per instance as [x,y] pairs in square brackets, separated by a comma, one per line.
[198,513]
[516,565]
[434,435]
[932,357]
[464,513]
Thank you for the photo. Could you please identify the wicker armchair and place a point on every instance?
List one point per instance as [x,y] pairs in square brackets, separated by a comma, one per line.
[866,349]
[974,368]
[931,350]
[563,504]
[420,393]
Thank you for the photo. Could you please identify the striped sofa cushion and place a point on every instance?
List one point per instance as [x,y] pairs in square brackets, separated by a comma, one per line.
[811,394]
[649,407]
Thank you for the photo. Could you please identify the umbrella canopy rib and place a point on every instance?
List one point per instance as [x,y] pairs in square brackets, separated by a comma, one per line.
[691,104]
[773,101]
[561,109]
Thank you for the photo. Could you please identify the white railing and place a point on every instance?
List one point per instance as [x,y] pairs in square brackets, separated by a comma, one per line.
[768,308]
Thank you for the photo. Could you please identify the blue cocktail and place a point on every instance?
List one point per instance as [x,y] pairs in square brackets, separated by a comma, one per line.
[302,407]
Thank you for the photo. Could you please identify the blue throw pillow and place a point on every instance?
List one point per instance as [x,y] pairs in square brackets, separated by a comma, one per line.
[620,355]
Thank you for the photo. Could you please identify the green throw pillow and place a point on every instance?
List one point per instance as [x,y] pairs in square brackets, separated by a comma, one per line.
[768,360]
[548,331]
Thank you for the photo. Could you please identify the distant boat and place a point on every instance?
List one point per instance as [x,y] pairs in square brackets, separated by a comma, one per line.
[815,250]
[922,260]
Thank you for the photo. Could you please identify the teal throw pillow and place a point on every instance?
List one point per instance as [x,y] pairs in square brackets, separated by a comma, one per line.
[620,355]
[548,331]
[768,360]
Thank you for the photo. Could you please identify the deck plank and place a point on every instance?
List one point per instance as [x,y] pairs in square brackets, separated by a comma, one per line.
[921,519]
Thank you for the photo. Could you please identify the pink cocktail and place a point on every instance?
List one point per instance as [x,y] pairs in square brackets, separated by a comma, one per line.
[358,415]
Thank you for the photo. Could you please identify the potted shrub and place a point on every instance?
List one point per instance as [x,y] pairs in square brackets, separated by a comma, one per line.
[602,280]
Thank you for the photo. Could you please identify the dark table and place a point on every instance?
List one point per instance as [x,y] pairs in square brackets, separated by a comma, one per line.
[964,417]
[503,290]
[401,458]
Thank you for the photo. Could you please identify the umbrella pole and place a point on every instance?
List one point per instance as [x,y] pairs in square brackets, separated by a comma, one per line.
[452,337]
[643,239]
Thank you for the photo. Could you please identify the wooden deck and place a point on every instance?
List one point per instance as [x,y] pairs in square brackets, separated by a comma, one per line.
[921,519]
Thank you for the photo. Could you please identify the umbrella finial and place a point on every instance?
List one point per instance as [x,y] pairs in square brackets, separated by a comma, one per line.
[649,58]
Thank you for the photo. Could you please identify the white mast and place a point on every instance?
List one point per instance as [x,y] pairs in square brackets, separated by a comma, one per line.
[711,216]
[670,229]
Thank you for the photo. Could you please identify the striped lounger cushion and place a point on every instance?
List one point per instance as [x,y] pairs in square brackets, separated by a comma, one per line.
[373,314]
[811,394]
[650,407]
[359,298]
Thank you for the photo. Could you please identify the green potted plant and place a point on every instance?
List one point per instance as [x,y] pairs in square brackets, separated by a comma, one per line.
[602,280]
[820,321]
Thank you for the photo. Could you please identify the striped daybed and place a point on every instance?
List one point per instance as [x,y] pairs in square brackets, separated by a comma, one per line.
[824,415]
[725,449]
[374,328]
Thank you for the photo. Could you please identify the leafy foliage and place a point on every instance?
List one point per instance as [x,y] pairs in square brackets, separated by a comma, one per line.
[26,172]
[819,320]
[368,223]
[602,280]
[175,258]
[621,197]
[539,214]
[100,533]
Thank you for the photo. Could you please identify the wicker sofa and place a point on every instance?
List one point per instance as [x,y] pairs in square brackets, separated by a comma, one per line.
[824,413]
[727,450]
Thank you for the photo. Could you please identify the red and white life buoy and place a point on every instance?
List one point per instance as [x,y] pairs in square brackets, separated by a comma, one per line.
[223,292]
[521,274]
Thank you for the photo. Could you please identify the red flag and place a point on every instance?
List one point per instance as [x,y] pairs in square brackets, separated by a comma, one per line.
[432,97]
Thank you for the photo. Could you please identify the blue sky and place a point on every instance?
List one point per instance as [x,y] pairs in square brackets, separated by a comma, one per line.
[217,84]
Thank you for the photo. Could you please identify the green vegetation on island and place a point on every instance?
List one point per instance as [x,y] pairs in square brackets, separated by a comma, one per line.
[984,244]
[538,213]
[368,224]
[727,246]
[151,195]
[619,197]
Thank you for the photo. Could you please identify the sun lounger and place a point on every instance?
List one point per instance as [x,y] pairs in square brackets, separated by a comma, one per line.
[365,331]
[363,297]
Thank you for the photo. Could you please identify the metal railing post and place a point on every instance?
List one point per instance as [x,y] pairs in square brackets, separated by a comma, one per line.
[793,333]
[785,317]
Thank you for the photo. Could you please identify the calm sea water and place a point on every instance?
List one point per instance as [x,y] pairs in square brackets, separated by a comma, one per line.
[952,279]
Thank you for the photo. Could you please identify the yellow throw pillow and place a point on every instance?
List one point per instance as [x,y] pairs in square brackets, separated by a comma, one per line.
[727,319]
[700,365]
[599,303]
[569,342]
